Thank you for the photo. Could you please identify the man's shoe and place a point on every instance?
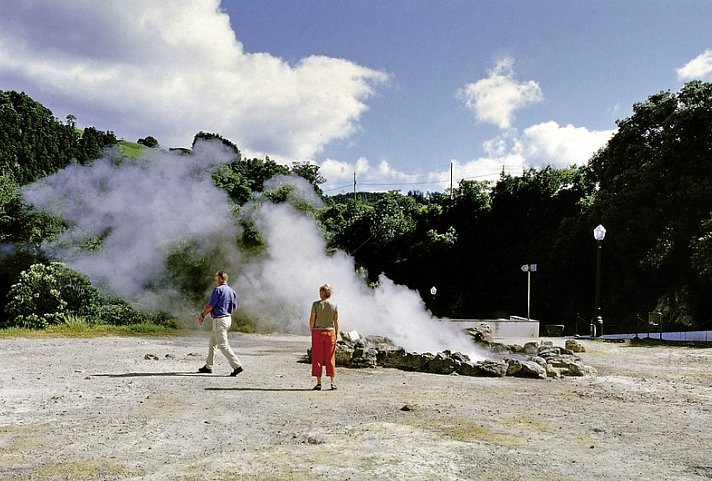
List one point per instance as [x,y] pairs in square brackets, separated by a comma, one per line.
[236,371]
[205,370]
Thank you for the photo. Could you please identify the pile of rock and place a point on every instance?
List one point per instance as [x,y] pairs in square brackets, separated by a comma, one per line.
[532,360]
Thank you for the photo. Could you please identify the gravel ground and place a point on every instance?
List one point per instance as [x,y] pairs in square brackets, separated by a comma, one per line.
[134,408]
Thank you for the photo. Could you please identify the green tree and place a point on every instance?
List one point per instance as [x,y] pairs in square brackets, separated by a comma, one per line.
[655,178]
[241,177]
[33,143]
[20,223]
[310,172]
[149,142]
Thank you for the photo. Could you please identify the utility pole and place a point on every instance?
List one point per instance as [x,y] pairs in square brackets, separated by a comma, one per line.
[354,186]
[450,180]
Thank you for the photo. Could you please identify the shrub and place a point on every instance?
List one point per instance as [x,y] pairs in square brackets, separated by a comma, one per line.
[44,293]
[118,312]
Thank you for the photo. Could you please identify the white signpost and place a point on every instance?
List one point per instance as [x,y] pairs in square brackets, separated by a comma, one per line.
[529,268]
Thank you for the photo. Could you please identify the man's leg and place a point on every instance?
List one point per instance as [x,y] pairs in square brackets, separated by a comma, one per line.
[210,360]
[222,342]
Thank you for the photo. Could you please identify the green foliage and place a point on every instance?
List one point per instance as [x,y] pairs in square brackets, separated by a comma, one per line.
[33,143]
[187,265]
[701,247]
[92,144]
[210,136]
[20,223]
[242,323]
[251,241]
[51,294]
[655,178]
[46,292]
[242,177]
[149,142]
[118,312]
[309,172]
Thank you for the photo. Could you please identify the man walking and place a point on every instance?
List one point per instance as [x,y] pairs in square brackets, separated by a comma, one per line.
[223,300]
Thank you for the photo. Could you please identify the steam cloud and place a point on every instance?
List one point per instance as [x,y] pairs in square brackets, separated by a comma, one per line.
[142,208]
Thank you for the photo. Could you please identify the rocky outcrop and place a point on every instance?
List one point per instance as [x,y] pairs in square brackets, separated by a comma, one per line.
[537,360]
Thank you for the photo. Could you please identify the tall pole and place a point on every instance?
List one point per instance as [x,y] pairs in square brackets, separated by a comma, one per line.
[450,180]
[354,185]
[597,320]
[529,295]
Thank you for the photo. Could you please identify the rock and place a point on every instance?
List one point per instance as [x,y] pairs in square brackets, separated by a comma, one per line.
[350,336]
[492,368]
[468,368]
[481,333]
[531,369]
[441,363]
[574,346]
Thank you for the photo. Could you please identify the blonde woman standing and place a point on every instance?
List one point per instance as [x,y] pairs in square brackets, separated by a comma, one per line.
[324,327]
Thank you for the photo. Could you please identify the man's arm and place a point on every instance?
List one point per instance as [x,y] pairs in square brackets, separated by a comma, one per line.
[206,310]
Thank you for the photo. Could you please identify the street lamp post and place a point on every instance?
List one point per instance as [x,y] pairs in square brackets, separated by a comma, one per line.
[529,268]
[597,321]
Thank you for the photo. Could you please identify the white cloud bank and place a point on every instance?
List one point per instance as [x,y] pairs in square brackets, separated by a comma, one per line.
[177,67]
[699,68]
[537,146]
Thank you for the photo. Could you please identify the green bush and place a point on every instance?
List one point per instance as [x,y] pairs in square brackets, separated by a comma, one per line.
[52,294]
[44,293]
[118,312]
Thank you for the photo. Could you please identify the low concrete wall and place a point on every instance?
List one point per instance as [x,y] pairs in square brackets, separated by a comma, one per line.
[513,327]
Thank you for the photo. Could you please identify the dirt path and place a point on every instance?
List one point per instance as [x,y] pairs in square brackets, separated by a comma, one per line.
[98,409]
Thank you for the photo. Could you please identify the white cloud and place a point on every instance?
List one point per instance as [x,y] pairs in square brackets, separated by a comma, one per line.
[171,69]
[549,143]
[383,177]
[698,68]
[495,99]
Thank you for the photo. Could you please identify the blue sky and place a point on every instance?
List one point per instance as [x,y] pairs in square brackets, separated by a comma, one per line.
[395,91]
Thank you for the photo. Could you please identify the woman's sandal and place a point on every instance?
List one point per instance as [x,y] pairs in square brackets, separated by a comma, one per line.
[317,387]
[333,387]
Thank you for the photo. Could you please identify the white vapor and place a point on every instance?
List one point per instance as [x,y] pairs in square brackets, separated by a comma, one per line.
[699,68]
[143,208]
[173,68]
[139,207]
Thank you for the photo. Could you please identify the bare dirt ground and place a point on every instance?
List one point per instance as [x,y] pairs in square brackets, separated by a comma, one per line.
[99,409]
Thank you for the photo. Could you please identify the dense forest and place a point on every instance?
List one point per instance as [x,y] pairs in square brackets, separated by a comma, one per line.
[650,186]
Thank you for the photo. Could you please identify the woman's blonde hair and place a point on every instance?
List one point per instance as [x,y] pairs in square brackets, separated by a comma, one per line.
[327,290]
